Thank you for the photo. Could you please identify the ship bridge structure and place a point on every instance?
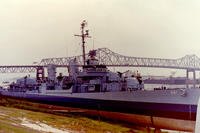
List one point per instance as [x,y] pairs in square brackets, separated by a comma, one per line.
[190,63]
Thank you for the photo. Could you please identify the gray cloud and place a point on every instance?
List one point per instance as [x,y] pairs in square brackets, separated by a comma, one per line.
[31,30]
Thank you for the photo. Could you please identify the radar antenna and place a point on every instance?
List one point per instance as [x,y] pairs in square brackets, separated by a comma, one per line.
[84,34]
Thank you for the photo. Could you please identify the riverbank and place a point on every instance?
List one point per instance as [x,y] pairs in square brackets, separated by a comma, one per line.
[22,116]
[22,121]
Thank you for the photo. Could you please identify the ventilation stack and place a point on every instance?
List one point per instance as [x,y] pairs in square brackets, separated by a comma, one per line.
[40,74]
[51,70]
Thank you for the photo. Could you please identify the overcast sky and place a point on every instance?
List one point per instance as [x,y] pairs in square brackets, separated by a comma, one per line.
[32,30]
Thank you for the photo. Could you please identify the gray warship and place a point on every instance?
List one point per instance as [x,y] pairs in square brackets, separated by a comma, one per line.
[93,86]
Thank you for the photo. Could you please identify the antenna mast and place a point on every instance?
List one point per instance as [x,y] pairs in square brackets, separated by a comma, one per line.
[84,35]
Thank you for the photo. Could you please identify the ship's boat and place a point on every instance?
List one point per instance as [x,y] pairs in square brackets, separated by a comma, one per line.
[121,95]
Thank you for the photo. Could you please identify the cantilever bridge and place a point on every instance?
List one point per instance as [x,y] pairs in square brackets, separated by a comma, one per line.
[112,59]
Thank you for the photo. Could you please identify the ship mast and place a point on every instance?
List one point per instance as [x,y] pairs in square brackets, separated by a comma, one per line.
[84,35]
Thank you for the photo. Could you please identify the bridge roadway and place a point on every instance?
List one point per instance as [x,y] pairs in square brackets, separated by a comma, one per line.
[190,63]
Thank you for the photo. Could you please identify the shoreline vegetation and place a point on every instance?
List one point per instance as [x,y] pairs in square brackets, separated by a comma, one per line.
[19,116]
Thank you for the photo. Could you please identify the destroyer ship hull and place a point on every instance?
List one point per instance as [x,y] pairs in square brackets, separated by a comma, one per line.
[177,105]
[161,103]
[169,110]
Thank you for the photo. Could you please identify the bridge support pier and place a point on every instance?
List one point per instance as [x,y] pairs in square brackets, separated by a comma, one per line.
[187,78]
[194,79]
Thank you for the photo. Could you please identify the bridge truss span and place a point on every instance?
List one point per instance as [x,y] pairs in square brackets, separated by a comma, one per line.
[107,57]
[110,58]
[18,69]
